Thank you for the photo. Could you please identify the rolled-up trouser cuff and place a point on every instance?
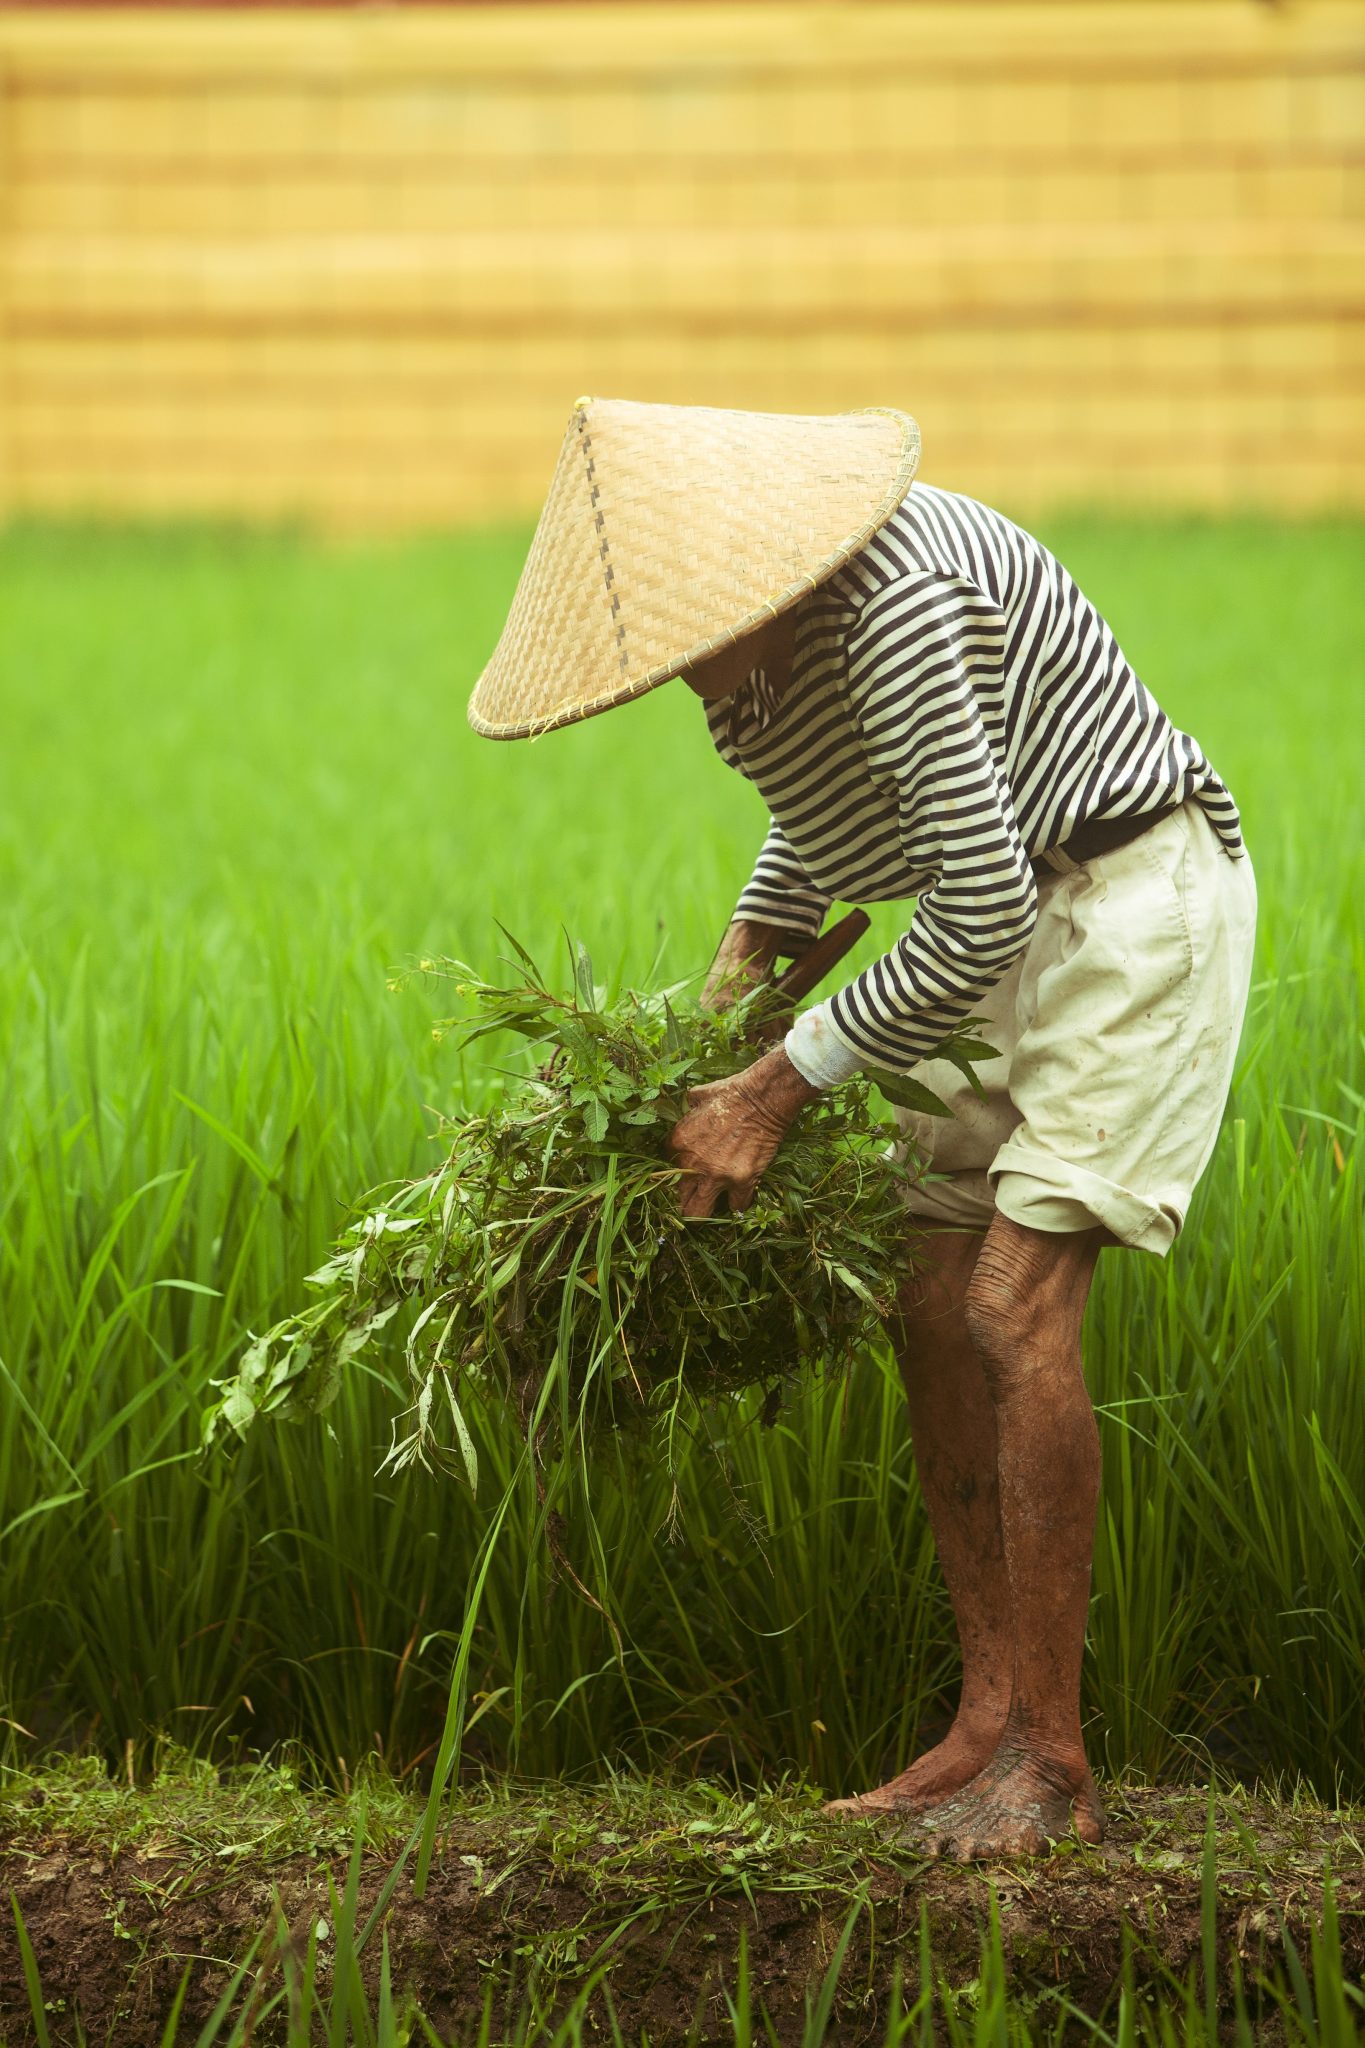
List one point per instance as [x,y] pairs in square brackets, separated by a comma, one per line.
[1044,1193]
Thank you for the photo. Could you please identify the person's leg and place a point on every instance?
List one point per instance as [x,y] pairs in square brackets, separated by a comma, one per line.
[1023,1310]
[952,1420]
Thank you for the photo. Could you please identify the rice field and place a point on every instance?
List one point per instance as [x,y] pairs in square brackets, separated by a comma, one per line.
[237,796]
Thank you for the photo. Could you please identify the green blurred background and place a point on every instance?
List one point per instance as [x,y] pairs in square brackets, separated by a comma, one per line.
[293,308]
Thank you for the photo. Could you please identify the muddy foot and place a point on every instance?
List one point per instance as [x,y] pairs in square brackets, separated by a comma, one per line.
[930,1779]
[1019,1805]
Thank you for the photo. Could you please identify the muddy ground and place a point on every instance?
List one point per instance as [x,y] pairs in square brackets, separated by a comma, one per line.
[119,1894]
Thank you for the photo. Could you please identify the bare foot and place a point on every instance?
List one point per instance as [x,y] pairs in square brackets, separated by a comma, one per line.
[935,1776]
[1019,1805]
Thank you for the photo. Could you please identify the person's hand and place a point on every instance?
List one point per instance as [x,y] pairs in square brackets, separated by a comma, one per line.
[731,1130]
[747,954]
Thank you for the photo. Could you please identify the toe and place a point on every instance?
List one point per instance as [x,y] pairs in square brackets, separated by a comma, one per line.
[1087,1814]
[1089,1825]
[867,1804]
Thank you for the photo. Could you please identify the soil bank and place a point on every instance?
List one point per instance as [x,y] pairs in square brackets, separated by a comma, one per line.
[121,1889]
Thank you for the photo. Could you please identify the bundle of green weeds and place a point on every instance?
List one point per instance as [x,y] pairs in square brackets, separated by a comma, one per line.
[546,1262]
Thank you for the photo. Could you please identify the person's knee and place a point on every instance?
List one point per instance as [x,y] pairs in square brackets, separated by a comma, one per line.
[1024,1303]
[929,1305]
[1002,1316]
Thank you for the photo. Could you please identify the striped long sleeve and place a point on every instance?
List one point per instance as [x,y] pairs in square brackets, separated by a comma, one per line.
[911,691]
[780,891]
[956,707]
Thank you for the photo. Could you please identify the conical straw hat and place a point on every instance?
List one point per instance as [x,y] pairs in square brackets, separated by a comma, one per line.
[670,531]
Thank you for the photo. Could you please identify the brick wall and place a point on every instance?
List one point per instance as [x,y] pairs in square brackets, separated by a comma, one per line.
[357,265]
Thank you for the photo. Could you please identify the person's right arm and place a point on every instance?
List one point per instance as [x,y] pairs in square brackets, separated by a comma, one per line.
[780,911]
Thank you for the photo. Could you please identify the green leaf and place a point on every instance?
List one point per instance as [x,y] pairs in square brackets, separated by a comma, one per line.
[527,962]
[464,1439]
[966,1055]
[905,1093]
[971,1049]
[595,1119]
[850,1279]
[577,1041]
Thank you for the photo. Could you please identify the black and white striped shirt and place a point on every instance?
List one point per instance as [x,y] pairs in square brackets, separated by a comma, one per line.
[956,705]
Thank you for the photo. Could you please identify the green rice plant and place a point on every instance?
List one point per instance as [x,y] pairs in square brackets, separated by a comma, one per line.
[546,1261]
[236,794]
[1235,1445]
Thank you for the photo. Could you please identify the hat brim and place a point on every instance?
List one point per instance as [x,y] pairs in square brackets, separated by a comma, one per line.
[671,532]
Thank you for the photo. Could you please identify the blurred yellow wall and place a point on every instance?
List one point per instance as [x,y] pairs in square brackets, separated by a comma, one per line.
[357,265]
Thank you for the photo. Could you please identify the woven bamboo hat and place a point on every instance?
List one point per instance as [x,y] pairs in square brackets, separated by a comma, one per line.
[671,531]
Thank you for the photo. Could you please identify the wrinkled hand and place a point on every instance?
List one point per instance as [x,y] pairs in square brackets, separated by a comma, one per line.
[747,954]
[731,1130]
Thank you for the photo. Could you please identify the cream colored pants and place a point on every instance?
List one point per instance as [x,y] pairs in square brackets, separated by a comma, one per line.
[1117,1031]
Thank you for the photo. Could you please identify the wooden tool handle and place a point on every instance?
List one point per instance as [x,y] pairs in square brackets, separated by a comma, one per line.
[814,964]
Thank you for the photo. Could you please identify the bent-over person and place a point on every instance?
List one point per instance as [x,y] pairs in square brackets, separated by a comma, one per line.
[932,711]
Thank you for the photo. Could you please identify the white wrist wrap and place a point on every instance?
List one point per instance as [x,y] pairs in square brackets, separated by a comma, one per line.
[817,1052]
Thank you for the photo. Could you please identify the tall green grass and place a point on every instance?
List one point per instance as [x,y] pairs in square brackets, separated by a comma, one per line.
[236,791]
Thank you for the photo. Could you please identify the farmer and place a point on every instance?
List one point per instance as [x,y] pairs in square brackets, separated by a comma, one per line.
[930,709]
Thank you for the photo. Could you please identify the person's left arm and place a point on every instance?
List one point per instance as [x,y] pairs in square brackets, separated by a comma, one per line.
[910,682]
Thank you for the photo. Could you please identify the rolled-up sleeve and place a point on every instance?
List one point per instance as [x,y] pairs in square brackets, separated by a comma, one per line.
[910,683]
